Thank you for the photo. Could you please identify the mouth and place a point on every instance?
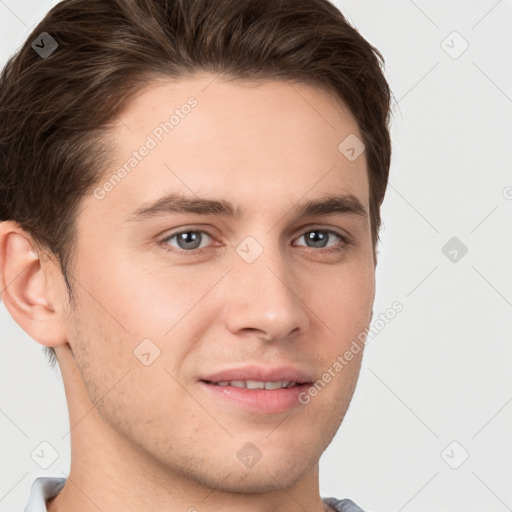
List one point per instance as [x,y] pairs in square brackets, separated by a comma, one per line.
[255,396]
[256,384]
[259,377]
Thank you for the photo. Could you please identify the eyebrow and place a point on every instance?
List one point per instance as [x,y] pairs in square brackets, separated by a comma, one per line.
[177,203]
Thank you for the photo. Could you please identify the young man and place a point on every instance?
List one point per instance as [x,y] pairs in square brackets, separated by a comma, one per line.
[190,216]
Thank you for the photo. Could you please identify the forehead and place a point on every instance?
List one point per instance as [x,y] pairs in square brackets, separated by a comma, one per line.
[247,141]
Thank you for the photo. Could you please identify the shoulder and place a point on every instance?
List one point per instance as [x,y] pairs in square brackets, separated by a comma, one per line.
[345,505]
[43,489]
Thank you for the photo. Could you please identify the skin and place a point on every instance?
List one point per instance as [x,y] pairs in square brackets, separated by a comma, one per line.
[147,437]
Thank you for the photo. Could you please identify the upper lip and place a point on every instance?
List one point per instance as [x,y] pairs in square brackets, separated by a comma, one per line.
[260,373]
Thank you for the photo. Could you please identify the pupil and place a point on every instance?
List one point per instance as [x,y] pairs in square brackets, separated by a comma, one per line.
[190,237]
[313,237]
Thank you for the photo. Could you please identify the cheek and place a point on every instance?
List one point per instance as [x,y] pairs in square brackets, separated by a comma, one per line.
[345,297]
[138,302]
[115,379]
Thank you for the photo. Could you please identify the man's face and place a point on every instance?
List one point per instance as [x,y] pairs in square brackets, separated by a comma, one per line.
[263,290]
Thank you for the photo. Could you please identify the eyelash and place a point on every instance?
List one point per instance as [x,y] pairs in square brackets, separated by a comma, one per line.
[193,252]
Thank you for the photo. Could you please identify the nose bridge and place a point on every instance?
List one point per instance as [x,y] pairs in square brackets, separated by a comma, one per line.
[265,295]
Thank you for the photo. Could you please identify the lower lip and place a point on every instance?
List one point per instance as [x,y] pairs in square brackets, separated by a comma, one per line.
[260,400]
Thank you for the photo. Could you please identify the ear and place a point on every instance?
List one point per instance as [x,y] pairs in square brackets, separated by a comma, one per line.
[28,285]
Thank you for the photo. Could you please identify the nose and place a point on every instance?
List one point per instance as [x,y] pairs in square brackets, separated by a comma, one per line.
[265,298]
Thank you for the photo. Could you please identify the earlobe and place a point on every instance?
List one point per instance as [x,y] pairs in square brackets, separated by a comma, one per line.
[24,289]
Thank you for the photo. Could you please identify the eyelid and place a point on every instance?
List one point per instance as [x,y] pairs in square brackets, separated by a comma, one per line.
[330,229]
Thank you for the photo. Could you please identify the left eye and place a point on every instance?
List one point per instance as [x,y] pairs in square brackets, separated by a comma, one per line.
[318,241]
[189,241]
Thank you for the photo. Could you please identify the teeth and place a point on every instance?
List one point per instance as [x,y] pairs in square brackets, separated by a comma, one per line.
[238,383]
[257,384]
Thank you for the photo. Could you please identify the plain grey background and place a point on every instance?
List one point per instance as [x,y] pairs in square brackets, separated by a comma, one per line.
[429,427]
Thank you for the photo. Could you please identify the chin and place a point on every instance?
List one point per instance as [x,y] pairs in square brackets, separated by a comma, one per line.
[255,480]
[225,472]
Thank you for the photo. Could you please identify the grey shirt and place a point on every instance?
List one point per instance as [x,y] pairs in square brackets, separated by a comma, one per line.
[47,487]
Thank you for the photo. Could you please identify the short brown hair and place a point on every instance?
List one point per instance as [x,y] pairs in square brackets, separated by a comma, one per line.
[55,112]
